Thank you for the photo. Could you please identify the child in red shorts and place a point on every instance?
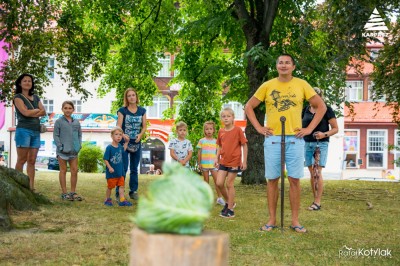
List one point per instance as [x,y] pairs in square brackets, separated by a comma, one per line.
[115,167]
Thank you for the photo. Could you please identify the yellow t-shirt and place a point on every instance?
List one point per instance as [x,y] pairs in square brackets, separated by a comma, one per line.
[284,99]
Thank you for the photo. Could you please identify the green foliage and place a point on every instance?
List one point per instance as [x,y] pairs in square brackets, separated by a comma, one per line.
[90,158]
[177,203]
[219,45]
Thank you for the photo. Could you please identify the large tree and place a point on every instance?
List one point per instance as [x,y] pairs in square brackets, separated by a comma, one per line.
[221,45]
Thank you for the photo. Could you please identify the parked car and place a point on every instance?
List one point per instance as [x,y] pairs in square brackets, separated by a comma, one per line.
[53,164]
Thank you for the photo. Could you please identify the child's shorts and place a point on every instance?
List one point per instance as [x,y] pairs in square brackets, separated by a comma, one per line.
[229,169]
[67,157]
[208,169]
[115,182]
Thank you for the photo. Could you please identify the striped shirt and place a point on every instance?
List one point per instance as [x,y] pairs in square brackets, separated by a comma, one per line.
[208,152]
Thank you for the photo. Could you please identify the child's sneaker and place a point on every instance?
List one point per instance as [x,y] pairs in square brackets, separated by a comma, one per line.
[228,214]
[108,202]
[125,203]
[221,201]
[225,208]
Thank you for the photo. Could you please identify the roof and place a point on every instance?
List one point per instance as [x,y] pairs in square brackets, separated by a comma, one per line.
[367,112]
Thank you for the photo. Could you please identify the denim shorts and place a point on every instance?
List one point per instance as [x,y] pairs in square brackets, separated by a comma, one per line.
[27,138]
[309,152]
[294,156]
[229,169]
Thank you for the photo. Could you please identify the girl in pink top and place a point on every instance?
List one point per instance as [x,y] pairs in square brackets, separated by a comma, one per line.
[206,157]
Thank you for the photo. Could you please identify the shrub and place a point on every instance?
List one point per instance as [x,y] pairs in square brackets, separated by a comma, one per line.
[90,157]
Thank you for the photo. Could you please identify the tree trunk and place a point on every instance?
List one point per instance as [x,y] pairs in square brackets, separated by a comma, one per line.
[209,248]
[255,173]
[15,193]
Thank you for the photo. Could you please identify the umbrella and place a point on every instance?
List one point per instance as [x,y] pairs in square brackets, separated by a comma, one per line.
[315,169]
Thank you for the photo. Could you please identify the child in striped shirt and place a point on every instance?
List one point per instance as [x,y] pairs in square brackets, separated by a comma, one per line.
[206,156]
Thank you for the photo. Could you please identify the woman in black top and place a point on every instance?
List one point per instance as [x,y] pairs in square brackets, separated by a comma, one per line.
[27,134]
[320,135]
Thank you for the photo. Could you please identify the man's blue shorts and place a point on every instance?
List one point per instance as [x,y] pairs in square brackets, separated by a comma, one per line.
[309,152]
[294,156]
[27,138]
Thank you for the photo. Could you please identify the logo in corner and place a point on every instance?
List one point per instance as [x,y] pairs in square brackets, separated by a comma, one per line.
[375,26]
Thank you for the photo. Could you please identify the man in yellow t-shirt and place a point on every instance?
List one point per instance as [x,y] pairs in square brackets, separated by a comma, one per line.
[284,96]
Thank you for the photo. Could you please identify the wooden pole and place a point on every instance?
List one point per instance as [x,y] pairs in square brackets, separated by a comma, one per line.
[209,248]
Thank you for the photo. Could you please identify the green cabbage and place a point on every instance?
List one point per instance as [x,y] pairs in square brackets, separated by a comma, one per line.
[177,203]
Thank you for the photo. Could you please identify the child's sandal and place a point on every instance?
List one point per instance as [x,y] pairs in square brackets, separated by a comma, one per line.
[66,196]
[75,196]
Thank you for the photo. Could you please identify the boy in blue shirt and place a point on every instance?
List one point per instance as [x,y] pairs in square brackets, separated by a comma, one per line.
[113,158]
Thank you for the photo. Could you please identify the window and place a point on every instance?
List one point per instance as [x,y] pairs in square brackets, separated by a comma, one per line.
[354,90]
[50,68]
[78,106]
[237,108]
[397,144]
[48,105]
[373,54]
[371,92]
[160,104]
[376,155]
[351,148]
[165,70]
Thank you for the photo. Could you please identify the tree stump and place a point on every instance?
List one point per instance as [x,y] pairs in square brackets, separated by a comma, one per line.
[15,193]
[209,248]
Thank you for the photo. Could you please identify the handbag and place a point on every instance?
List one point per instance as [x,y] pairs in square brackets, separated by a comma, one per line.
[43,127]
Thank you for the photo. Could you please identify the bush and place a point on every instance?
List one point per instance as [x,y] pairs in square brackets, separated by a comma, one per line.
[90,157]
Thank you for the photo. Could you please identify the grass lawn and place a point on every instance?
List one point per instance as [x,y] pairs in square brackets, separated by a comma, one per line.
[88,233]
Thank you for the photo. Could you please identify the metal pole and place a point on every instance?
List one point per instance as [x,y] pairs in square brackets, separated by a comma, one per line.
[283,119]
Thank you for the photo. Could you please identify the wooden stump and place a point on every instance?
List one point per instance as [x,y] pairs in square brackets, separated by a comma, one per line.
[209,248]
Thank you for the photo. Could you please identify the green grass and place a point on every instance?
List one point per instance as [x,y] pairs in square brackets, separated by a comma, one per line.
[88,233]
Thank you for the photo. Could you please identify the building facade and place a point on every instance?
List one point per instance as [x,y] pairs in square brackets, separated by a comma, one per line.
[358,150]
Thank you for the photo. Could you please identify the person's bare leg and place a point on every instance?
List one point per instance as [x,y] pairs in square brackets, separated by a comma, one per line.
[214,175]
[230,181]
[62,175]
[294,197]
[317,198]
[320,189]
[30,167]
[73,167]
[22,157]
[272,198]
[206,176]
[108,193]
[221,176]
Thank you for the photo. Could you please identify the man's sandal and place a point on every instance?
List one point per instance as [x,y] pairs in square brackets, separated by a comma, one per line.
[314,207]
[75,196]
[268,228]
[298,229]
